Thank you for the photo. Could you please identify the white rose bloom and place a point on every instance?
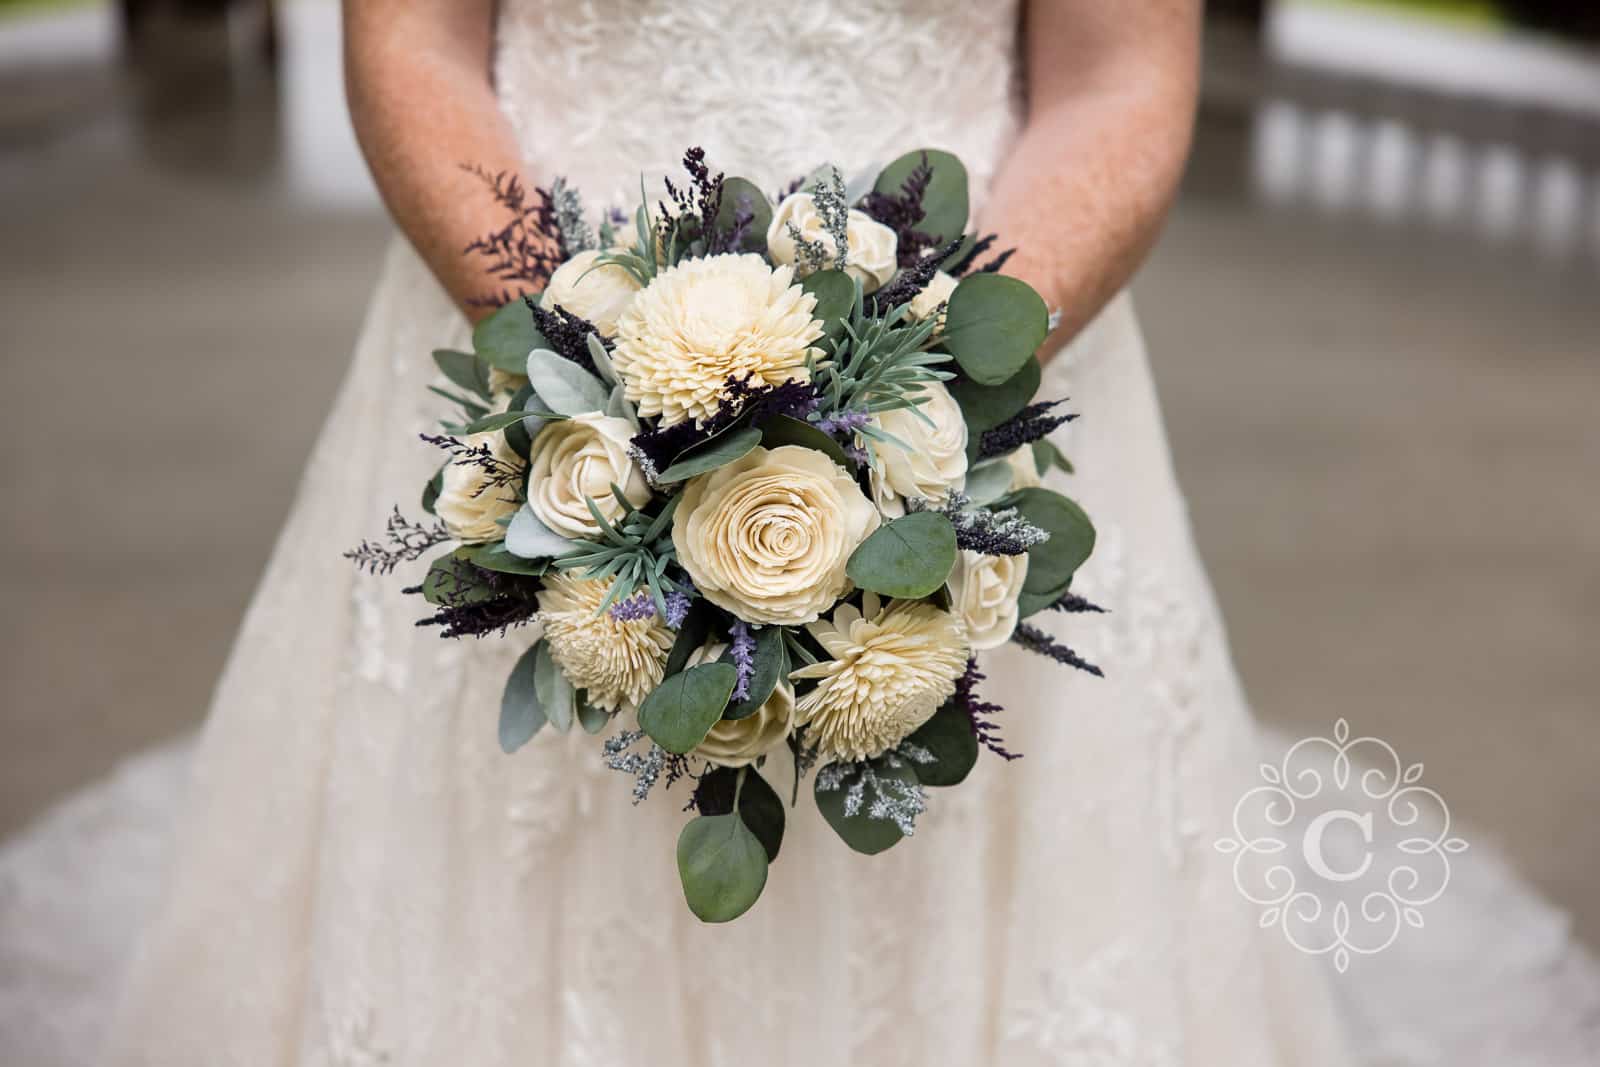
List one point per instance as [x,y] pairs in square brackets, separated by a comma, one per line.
[1024,469]
[891,669]
[740,742]
[934,294]
[707,320]
[618,662]
[578,457]
[983,593]
[768,535]
[936,460]
[600,295]
[870,251]
[469,503]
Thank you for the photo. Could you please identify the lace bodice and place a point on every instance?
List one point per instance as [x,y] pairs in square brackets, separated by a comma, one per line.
[778,88]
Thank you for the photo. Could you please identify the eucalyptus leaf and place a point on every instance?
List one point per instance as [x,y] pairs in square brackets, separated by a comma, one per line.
[500,420]
[464,369]
[722,865]
[741,194]
[555,692]
[771,666]
[691,635]
[1046,455]
[447,581]
[717,452]
[949,738]
[1052,563]
[836,296]
[431,491]
[507,336]
[993,326]
[521,713]
[566,387]
[780,430]
[988,482]
[759,804]
[531,539]
[680,711]
[986,406]
[859,831]
[908,558]
[944,202]
[495,557]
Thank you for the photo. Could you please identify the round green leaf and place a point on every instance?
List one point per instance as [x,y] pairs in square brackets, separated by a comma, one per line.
[506,337]
[988,481]
[907,558]
[986,406]
[759,805]
[741,194]
[864,834]
[944,203]
[836,298]
[717,452]
[1052,563]
[555,692]
[722,865]
[521,714]
[949,737]
[494,557]
[780,430]
[680,711]
[447,581]
[993,326]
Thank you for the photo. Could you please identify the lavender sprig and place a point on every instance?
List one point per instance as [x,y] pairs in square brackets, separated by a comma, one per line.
[1036,640]
[743,653]
[1032,423]
[639,606]
[678,603]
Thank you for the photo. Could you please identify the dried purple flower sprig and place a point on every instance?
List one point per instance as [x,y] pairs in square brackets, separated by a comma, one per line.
[498,474]
[566,334]
[1033,423]
[528,248]
[403,542]
[476,602]
[1036,640]
[655,450]
[902,211]
[981,712]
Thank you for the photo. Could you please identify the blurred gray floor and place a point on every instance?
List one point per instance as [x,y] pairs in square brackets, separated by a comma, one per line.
[1386,431]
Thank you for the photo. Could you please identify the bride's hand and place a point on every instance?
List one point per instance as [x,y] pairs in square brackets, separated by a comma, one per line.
[1111,94]
[422,100]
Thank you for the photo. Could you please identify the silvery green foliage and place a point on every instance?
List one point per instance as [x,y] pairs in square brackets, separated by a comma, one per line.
[812,255]
[570,222]
[834,209]
[892,799]
[646,768]
[1002,532]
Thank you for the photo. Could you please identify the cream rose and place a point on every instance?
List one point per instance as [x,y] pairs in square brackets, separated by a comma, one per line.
[740,742]
[983,595]
[767,536]
[935,294]
[599,294]
[936,459]
[869,244]
[470,503]
[582,457]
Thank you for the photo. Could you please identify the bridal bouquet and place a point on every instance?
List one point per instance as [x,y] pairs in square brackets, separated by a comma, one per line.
[763,475]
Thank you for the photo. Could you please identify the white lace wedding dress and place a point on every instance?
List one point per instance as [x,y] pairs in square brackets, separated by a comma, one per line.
[359,876]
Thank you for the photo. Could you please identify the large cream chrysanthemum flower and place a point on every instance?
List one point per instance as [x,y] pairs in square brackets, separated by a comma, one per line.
[705,321]
[892,668]
[618,662]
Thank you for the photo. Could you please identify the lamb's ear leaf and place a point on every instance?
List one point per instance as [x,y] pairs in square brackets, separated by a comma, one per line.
[591,718]
[521,713]
[531,539]
[555,692]
[722,865]
[566,387]
[993,325]
[506,337]
[948,737]
[944,202]
[680,711]
[909,557]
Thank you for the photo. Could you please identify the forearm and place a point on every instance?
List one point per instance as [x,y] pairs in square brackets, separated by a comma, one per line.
[420,112]
[1084,191]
